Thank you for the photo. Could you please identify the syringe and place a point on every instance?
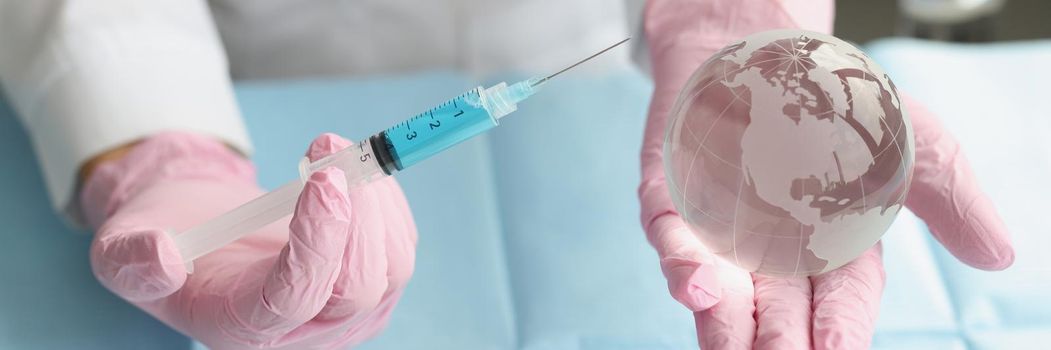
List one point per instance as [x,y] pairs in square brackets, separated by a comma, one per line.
[381,155]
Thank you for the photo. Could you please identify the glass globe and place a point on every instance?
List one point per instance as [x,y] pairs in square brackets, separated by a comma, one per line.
[789,153]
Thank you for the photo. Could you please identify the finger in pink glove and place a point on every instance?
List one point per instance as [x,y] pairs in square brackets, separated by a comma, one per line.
[945,194]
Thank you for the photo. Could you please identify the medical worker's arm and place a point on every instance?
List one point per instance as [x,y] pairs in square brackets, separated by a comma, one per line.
[89,76]
[734,309]
[139,92]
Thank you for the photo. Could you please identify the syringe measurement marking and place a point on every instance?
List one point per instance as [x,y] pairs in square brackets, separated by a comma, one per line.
[364,157]
[436,123]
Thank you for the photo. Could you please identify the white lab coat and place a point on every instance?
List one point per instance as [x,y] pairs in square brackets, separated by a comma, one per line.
[87,76]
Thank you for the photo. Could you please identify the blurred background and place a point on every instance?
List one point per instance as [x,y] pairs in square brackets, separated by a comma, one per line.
[955,20]
[977,20]
[507,267]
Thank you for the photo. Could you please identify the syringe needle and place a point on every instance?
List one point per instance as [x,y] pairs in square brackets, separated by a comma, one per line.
[545,79]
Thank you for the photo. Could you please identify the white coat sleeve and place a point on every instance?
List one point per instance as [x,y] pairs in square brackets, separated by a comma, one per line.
[88,76]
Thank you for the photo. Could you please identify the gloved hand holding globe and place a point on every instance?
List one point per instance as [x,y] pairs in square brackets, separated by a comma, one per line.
[788,155]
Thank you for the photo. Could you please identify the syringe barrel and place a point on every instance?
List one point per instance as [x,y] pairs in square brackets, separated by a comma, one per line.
[360,163]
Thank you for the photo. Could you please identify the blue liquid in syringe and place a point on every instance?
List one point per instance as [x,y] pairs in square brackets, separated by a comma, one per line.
[433,131]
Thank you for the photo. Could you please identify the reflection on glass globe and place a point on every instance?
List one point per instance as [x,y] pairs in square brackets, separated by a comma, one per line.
[789,153]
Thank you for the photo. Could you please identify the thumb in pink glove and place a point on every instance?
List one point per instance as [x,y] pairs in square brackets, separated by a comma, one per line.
[328,277]
[734,309]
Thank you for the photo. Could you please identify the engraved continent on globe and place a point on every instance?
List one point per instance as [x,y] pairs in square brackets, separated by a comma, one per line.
[789,153]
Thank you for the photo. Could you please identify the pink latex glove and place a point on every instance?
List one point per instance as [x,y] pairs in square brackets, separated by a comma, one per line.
[328,278]
[838,310]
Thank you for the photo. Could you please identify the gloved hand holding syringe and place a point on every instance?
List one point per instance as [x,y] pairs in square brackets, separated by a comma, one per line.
[383,154]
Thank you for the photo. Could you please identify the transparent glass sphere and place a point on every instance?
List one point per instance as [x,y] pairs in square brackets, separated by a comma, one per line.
[789,153]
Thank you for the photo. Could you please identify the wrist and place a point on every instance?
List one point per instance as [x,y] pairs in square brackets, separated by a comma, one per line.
[111,155]
[122,173]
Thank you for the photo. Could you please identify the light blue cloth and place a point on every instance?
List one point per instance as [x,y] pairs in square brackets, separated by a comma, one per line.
[529,236]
